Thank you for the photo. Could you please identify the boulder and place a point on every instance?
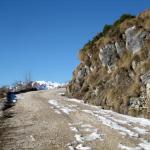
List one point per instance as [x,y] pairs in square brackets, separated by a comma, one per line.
[135,39]
[81,73]
[120,47]
[145,78]
[108,55]
[148,95]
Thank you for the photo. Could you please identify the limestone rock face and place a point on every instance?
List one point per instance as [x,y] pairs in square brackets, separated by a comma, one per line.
[120,47]
[108,55]
[145,78]
[135,39]
[81,74]
[114,72]
[148,95]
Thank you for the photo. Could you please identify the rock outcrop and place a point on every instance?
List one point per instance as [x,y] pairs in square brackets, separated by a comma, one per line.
[114,72]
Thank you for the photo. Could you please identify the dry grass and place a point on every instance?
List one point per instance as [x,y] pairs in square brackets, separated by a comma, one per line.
[116,88]
[3,92]
[125,60]
[145,66]
[126,24]
[143,60]
[84,57]
[145,14]
[145,17]
[103,41]
[133,90]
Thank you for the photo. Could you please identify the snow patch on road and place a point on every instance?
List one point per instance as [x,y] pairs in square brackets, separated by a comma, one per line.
[125,119]
[81,147]
[71,147]
[93,136]
[142,146]
[66,110]
[112,124]
[141,121]
[75,100]
[61,108]
[140,130]
[79,138]
[61,94]
[54,103]
[86,126]
[145,145]
[83,133]
[74,129]
[32,138]
[123,147]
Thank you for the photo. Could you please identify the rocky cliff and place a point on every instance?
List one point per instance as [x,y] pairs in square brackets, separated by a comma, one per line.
[114,72]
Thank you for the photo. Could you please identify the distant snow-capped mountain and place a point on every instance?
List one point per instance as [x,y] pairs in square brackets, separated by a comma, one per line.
[39,85]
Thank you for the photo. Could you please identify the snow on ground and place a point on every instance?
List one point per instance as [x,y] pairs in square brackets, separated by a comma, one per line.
[93,136]
[75,100]
[61,94]
[145,145]
[79,138]
[32,138]
[61,108]
[113,116]
[81,147]
[142,146]
[83,133]
[129,126]
[66,110]
[140,130]
[125,125]
[74,129]
[123,147]
[54,103]
[125,118]
[112,124]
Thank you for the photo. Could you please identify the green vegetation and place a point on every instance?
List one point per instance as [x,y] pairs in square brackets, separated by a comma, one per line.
[107,28]
[113,29]
[117,87]
[122,19]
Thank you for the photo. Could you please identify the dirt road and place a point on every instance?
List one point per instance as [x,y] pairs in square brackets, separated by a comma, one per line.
[46,120]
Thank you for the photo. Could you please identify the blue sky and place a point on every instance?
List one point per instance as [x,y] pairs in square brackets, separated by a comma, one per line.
[43,37]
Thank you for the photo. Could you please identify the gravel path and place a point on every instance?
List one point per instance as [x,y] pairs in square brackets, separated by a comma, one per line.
[46,120]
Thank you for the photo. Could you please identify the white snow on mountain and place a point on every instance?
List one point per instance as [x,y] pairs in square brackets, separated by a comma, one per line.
[41,85]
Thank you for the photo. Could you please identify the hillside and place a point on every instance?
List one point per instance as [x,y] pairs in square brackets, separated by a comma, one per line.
[114,72]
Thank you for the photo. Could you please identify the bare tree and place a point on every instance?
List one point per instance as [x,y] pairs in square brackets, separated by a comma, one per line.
[28,78]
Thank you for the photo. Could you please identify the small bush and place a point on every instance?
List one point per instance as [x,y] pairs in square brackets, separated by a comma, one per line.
[98,36]
[107,28]
[123,18]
